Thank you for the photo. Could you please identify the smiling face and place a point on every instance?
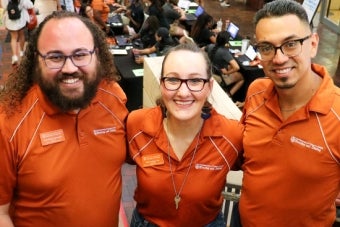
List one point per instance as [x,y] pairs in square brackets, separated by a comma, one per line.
[184,104]
[287,72]
[89,11]
[69,87]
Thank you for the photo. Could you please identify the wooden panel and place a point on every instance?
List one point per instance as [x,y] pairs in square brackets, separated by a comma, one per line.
[255,4]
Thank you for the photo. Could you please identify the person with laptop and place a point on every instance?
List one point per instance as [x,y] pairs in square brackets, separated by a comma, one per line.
[163,42]
[146,36]
[174,15]
[224,64]
[134,12]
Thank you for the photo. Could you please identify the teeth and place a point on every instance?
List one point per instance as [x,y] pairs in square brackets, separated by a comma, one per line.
[70,80]
[282,70]
[183,102]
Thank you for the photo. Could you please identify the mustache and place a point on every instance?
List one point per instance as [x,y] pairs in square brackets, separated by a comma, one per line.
[75,75]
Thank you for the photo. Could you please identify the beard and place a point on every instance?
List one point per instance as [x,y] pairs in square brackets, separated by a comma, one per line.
[285,84]
[65,103]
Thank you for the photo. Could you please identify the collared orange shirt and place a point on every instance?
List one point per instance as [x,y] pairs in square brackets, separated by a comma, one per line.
[291,167]
[64,169]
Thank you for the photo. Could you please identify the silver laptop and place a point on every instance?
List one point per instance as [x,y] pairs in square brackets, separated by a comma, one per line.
[249,55]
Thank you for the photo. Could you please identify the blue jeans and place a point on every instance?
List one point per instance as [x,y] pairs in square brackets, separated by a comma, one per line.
[138,220]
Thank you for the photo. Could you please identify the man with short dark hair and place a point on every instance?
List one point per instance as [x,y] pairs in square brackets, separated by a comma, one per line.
[292,119]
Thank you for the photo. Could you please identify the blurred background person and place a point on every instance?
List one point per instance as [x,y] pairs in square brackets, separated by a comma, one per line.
[86,10]
[16,27]
[202,32]
[146,35]
[163,42]
[225,64]
[154,8]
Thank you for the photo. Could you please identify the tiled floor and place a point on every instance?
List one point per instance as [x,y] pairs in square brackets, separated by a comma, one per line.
[328,55]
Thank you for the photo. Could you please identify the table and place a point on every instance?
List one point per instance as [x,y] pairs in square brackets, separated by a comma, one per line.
[255,4]
[131,84]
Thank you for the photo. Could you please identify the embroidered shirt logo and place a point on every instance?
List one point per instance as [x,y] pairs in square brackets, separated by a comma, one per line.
[306,144]
[104,131]
[208,167]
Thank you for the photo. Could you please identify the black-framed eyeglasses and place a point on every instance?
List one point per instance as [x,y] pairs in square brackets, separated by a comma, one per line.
[291,48]
[56,60]
[174,83]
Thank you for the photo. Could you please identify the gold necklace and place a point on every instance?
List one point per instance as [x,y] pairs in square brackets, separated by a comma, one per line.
[177,197]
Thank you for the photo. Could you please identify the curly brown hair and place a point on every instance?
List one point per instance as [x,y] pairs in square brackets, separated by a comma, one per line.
[22,79]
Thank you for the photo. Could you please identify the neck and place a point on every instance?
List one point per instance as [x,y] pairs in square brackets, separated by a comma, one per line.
[183,129]
[181,135]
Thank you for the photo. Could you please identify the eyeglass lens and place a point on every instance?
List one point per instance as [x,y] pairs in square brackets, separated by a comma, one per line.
[195,84]
[290,48]
[57,60]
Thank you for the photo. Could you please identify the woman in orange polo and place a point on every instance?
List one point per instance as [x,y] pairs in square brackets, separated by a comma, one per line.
[183,148]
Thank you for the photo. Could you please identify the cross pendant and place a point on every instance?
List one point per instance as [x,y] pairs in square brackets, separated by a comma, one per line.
[177,200]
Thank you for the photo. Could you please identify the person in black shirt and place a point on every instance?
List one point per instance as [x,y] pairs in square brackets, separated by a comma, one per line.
[135,13]
[224,63]
[147,32]
[201,31]
[164,42]
[155,9]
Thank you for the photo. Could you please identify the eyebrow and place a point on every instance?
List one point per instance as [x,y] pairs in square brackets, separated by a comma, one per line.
[178,74]
[288,38]
[61,52]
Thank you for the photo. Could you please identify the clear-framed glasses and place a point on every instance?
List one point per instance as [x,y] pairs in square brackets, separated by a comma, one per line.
[291,48]
[174,83]
[56,60]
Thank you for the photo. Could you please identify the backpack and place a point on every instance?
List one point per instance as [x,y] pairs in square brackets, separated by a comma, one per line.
[13,10]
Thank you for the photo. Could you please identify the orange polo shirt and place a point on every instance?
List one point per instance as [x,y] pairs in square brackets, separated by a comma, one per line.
[291,167]
[60,169]
[219,145]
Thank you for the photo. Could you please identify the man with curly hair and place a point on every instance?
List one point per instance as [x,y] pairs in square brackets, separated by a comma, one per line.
[62,131]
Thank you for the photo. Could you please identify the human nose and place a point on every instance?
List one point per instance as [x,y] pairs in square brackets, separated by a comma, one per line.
[69,66]
[183,87]
[279,56]
[278,48]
